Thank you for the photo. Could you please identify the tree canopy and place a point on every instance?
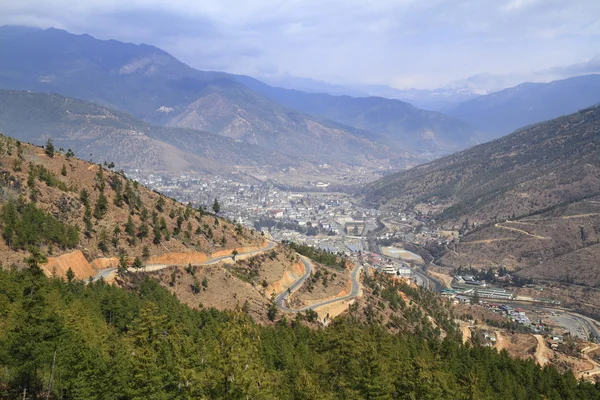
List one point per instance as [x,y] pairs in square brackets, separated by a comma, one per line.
[75,341]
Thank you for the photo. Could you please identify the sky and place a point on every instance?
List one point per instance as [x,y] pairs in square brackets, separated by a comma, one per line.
[421,44]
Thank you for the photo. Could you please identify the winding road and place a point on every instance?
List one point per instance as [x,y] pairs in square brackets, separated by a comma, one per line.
[105,273]
[279,300]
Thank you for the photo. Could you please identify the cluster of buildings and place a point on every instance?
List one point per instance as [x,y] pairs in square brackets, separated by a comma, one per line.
[467,280]
[392,267]
[314,217]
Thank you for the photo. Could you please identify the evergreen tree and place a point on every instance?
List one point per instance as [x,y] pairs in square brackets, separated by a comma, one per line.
[123,267]
[160,204]
[101,206]
[216,206]
[273,310]
[130,227]
[49,149]
[137,263]
[143,230]
[115,236]
[84,196]
[145,253]
[70,275]
[157,235]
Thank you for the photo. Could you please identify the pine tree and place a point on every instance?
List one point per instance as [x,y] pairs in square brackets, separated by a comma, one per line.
[101,206]
[157,235]
[143,230]
[273,310]
[145,253]
[123,265]
[70,275]
[130,227]
[84,196]
[137,263]
[216,206]
[160,204]
[49,150]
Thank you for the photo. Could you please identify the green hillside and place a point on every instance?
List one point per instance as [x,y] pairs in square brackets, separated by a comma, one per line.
[69,340]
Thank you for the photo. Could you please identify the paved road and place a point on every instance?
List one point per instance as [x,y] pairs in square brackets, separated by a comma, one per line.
[433,284]
[588,326]
[588,323]
[105,273]
[353,293]
[308,269]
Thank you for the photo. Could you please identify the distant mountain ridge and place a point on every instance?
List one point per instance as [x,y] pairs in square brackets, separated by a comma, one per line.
[502,112]
[154,86]
[427,99]
[101,134]
[393,122]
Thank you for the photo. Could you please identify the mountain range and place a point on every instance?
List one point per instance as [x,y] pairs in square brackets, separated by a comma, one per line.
[101,134]
[288,128]
[502,112]
[427,99]
[528,170]
[152,85]
[393,122]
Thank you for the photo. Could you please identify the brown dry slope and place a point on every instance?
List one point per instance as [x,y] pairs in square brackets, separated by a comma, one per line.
[115,217]
[560,245]
[246,283]
[528,201]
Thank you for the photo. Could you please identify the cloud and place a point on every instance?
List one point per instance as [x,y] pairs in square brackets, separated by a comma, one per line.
[591,66]
[419,43]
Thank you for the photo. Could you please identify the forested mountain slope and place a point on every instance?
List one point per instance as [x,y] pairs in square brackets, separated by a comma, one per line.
[69,340]
[52,204]
[77,220]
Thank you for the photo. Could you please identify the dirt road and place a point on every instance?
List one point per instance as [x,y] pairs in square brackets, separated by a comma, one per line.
[541,351]
[500,226]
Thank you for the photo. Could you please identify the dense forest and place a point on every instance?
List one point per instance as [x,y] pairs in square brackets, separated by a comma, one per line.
[73,341]
[25,225]
[318,255]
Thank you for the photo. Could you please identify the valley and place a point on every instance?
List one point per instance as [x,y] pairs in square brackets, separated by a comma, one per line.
[334,222]
[172,232]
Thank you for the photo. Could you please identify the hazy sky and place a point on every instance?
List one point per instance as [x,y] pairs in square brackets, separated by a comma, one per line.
[402,43]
